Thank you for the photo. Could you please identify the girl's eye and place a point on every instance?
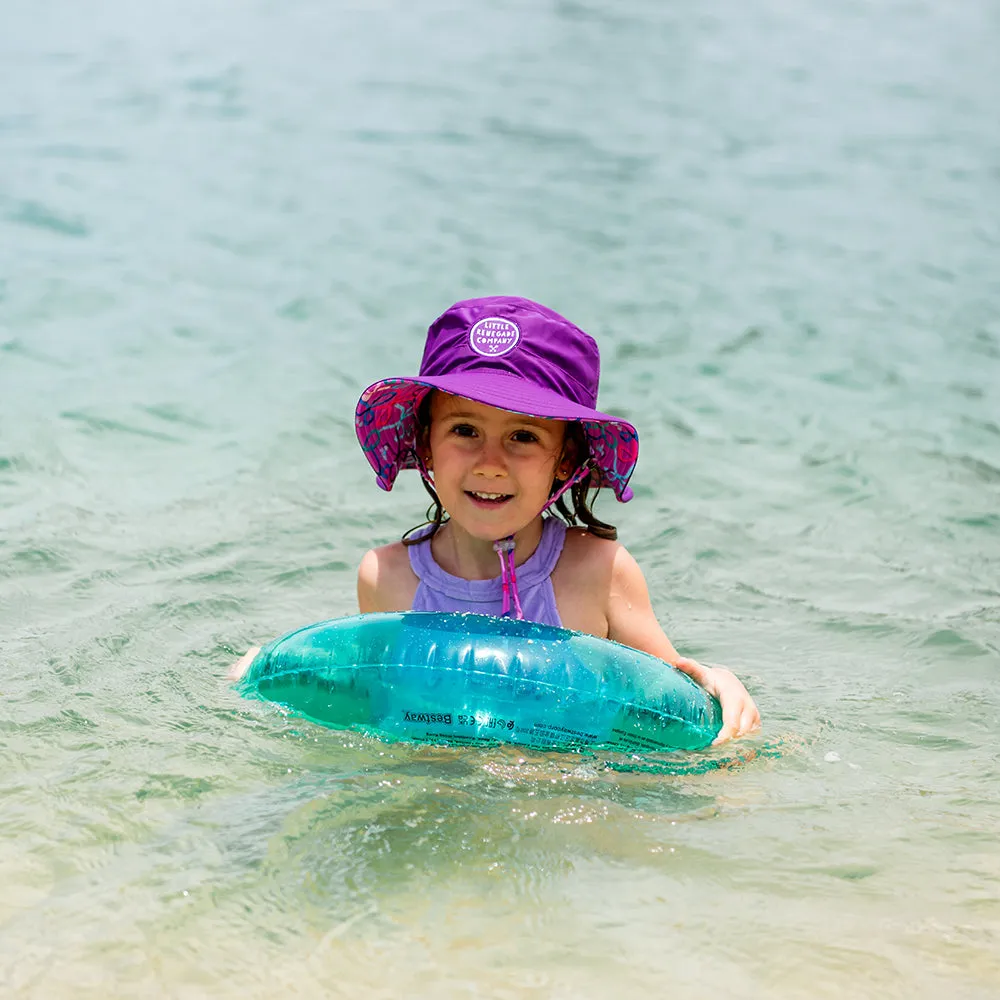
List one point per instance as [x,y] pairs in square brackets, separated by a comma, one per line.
[464,430]
[524,437]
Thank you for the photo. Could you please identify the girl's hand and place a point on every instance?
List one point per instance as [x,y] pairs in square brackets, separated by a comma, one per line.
[239,668]
[739,713]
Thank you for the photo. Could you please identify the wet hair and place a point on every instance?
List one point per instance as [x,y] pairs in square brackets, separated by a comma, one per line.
[581,495]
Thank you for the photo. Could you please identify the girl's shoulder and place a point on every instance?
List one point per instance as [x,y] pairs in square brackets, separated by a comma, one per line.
[582,580]
[601,558]
[594,579]
[386,581]
[583,551]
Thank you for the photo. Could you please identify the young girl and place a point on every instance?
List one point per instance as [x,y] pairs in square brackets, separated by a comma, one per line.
[502,426]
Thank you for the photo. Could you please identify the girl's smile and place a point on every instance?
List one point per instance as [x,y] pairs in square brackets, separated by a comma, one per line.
[488,499]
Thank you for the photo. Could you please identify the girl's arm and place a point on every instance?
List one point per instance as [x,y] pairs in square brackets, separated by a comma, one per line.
[368,576]
[239,668]
[631,621]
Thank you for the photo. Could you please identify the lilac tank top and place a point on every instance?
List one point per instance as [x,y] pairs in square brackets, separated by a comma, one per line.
[440,591]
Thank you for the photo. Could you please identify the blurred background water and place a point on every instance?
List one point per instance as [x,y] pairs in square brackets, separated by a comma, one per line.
[219,221]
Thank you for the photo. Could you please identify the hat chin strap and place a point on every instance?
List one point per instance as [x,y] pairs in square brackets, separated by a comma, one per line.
[504,548]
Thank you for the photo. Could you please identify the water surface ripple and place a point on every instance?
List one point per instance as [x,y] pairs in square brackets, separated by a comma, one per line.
[219,221]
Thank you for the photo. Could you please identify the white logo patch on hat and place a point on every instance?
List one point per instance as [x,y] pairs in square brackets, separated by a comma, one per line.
[493,336]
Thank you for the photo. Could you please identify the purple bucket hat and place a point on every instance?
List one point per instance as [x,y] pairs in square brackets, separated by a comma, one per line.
[506,352]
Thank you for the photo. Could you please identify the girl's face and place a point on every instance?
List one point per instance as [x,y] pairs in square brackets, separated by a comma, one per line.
[493,470]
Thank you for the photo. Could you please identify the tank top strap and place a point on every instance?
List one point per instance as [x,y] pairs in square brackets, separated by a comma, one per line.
[543,560]
[421,561]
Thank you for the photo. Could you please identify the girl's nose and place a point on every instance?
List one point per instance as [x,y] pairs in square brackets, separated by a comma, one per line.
[491,460]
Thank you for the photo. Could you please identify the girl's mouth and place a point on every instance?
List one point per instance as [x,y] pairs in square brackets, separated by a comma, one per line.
[483,499]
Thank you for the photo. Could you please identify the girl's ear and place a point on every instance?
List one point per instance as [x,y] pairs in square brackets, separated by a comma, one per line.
[568,461]
[423,445]
[423,436]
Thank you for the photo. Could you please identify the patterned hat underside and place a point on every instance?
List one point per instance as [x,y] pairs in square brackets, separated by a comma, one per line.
[386,425]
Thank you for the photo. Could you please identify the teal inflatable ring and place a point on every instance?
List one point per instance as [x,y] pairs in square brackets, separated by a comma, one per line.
[460,679]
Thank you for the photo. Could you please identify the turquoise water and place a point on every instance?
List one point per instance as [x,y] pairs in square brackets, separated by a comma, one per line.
[219,221]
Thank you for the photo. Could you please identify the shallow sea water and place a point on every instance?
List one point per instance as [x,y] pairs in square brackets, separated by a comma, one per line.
[220,221]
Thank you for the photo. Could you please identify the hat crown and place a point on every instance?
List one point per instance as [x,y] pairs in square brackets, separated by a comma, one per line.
[517,337]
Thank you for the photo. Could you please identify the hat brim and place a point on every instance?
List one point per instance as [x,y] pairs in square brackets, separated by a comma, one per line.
[385,421]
